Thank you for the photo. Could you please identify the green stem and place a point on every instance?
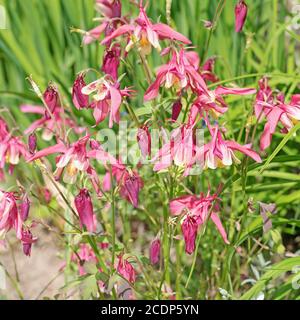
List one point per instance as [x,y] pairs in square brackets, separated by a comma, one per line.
[113,223]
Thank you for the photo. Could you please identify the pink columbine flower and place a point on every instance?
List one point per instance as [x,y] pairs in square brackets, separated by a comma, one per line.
[212,102]
[80,100]
[220,152]
[196,210]
[144,140]
[189,228]
[74,158]
[180,72]
[27,240]
[11,149]
[84,254]
[180,150]
[240,15]
[107,97]
[111,61]
[9,214]
[49,124]
[276,110]
[125,269]
[84,207]
[286,113]
[4,131]
[111,11]
[146,34]
[206,70]
[155,251]
[129,181]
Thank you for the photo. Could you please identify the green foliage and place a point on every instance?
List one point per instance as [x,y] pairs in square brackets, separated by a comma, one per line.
[39,42]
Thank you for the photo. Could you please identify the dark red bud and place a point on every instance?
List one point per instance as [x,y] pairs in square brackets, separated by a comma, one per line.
[80,100]
[24,208]
[176,109]
[32,143]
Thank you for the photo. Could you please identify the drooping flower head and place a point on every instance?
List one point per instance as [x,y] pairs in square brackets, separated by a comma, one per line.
[145,34]
[219,153]
[84,207]
[111,12]
[129,182]
[195,211]
[51,125]
[11,150]
[84,254]
[27,240]
[74,158]
[212,102]
[180,149]
[275,109]
[181,72]
[125,269]
[9,214]
[107,99]
[111,61]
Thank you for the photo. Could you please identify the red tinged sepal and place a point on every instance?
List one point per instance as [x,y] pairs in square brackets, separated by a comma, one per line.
[155,251]
[241,11]
[144,140]
[32,143]
[80,100]
[84,207]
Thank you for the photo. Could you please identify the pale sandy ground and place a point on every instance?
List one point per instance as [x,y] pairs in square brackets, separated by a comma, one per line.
[35,272]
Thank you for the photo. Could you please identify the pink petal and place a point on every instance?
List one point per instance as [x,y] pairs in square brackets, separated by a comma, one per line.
[216,220]
[36,124]
[153,90]
[122,30]
[94,34]
[116,100]
[244,149]
[32,109]
[58,148]
[238,91]
[164,31]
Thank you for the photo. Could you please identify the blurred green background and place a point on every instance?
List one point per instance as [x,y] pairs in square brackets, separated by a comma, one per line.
[38,40]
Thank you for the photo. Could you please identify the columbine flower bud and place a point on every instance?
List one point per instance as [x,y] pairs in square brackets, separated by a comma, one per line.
[177,106]
[111,61]
[240,15]
[144,140]
[51,98]
[32,143]
[80,100]
[27,240]
[189,229]
[24,208]
[132,186]
[125,269]
[155,251]
[84,207]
